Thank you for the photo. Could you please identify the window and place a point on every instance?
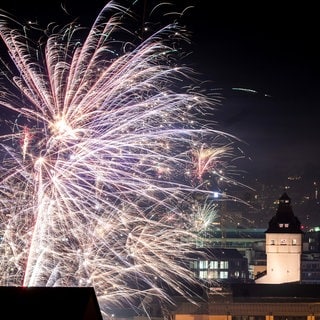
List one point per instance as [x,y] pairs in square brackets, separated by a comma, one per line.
[213,265]
[283,242]
[294,242]
[203,274]
[223,274]
[213,275]
[248,317]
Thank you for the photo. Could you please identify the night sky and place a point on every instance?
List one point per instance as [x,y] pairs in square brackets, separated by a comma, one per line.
[273,50]
[268,48]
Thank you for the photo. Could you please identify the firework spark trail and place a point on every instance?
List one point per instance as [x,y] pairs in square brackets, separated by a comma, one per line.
[95,178]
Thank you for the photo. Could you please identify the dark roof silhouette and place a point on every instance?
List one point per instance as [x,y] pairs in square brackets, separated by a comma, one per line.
[216,253]
[49,303]
[283,292]
[284,221]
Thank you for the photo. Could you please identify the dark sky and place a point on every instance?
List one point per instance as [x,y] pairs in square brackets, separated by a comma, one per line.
[269,48]
[272,49]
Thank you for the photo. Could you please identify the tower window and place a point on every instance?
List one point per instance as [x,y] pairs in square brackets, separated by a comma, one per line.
[283,241]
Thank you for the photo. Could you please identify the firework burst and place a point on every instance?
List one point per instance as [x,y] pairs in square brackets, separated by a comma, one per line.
[97,167]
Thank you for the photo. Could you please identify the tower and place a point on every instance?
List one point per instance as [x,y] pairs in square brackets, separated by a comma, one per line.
[283,245]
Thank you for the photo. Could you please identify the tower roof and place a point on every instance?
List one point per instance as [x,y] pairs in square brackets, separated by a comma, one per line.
[284,221]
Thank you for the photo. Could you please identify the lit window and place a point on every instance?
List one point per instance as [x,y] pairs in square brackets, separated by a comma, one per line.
[213,265]
[286,225]
[212,274]
[203,274]
[294,242]
[280,225]
[223,274]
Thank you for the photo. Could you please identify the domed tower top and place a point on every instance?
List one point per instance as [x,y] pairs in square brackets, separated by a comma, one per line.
[284,221]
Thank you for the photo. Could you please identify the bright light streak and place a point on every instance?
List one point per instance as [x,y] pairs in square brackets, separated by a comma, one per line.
[96,175]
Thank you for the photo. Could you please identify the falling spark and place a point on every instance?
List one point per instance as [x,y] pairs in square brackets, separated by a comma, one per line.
[97,167]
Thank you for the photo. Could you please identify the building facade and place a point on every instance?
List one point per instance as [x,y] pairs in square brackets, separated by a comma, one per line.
[220,265]
[255,302]
[283,246]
